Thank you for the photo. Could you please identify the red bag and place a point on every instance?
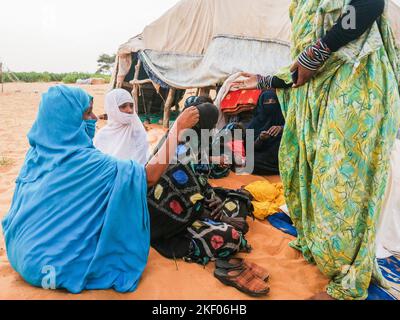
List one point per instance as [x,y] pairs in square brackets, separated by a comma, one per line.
[239,101]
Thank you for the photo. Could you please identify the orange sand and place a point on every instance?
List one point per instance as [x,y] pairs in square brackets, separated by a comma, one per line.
[291,276]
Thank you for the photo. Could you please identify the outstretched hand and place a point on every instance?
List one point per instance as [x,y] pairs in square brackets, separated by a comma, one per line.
[304,75]
[246,84]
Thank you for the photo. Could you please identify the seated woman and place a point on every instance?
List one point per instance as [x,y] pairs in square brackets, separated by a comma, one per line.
[79,219]
[268,124]
[215,167]
[124,136]
[188,219]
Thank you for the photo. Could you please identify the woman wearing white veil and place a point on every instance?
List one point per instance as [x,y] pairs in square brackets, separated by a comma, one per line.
[124,137]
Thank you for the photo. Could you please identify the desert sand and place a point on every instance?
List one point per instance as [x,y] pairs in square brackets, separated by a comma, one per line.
[291,276]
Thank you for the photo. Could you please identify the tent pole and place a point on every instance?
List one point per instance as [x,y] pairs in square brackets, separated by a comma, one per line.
[1,77]
[167,108]
[204,92]
[135,91]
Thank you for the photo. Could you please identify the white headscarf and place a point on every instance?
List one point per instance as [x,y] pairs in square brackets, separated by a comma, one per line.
[124,136]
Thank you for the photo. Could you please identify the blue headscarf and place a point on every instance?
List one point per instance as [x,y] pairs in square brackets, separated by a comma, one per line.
[58,131]
[77,214]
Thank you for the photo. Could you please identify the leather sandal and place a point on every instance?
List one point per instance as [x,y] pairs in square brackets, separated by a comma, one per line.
[243,280]
[260,272]
[238,263]
[230,264]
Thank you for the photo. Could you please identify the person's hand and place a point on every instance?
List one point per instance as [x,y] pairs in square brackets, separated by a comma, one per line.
[188,119]
[246,84]
[264,135]
[274,131]
[304,75]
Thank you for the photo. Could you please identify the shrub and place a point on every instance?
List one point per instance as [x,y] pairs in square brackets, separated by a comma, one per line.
[52,77]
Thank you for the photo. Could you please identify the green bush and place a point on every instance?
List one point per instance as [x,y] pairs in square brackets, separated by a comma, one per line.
[72,77]
[52,77]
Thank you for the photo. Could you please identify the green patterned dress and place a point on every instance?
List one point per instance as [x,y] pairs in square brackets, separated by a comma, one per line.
[334,157]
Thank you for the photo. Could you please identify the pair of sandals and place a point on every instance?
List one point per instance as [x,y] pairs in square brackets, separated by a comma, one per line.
[245,276]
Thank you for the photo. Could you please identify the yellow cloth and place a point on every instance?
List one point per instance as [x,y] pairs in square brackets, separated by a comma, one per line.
[268,197]
[195,198]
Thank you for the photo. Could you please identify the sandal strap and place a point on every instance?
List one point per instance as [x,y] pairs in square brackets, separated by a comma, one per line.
[249,281]
[256,269]
[225,264]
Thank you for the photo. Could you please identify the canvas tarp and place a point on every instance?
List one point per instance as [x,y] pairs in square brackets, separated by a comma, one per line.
[199,43]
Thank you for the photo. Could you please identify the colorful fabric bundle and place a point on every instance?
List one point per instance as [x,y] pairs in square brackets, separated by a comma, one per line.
[211,240]
[268,197]
[239,101]
[175,202]
[237,207]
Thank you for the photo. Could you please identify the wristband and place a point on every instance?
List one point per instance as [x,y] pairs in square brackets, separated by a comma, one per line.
[264,82]
[314,56]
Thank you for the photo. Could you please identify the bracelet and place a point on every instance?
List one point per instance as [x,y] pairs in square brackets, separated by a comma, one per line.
[264,82]
[314,56]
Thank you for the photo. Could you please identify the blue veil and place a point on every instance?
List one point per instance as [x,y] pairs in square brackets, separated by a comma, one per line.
[77,215]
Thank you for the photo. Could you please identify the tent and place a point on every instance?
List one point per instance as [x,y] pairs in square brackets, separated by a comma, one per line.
[199,43]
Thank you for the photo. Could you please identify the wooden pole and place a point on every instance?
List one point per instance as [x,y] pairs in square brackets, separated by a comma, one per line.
[204,92]
[167,108]
[135,91]
[1,77]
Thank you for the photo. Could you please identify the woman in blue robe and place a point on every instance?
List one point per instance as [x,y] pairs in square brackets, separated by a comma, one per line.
[79,219]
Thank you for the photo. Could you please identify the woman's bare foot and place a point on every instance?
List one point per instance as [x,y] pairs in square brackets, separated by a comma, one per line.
[321,296]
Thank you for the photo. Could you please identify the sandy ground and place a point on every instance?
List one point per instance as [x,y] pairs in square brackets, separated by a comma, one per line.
[291,276]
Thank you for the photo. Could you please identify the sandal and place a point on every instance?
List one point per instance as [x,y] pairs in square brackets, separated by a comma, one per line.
[243,280]
[238,263]
[258,271]
[231,264]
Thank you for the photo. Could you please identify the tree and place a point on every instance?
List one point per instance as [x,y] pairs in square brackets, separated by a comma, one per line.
[105,63]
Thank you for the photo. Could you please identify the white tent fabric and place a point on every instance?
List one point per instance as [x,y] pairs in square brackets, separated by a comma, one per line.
[388,236]
[190,26]
[199,43]
[225,55]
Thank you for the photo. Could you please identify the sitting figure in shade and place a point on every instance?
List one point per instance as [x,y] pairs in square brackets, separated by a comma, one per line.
[268,125]
[79,218]
[214,166]
[124,136]
[189,219]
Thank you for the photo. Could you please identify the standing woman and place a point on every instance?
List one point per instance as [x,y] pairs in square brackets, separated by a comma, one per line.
[341,121]
[79,218]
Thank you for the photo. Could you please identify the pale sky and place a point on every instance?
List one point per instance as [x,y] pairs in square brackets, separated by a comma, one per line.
[69,35]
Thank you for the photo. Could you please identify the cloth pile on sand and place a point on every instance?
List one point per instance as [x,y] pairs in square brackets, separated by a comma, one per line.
[268,197]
